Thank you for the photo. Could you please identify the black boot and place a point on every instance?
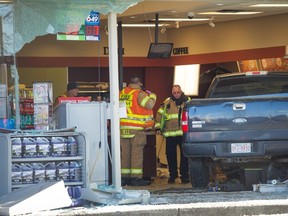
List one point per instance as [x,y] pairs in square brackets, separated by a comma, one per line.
[139,182]
[185,180]
[125,181]
[171,180]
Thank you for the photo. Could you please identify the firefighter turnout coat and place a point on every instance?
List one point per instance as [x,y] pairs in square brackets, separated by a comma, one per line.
[139,105]
[168,118]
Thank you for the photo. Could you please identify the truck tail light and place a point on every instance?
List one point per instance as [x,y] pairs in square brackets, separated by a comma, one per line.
[185,121]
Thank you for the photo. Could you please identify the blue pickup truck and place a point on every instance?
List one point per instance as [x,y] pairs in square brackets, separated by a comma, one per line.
[241,123]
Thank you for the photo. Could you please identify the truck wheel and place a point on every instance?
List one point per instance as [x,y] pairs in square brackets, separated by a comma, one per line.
[199,173]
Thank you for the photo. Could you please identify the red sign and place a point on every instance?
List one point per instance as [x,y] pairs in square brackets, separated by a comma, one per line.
[73,99]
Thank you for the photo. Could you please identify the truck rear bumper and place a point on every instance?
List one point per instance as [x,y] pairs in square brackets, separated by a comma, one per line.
[223,149]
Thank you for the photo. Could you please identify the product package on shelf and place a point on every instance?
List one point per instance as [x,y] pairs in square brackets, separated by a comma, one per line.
[3,90]
[3,101]
[43,92]
[29,159]
[43,105]
[42,116]
[26,106]
[3,107]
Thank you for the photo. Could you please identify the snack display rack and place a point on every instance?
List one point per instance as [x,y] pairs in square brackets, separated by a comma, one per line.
[26,106]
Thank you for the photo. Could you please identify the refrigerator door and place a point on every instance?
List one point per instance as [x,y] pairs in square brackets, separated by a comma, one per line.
[90,118]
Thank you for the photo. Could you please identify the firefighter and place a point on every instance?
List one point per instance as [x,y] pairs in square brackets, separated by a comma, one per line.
[168,123]
[139,105]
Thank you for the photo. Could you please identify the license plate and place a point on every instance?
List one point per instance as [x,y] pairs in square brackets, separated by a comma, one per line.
[240,147]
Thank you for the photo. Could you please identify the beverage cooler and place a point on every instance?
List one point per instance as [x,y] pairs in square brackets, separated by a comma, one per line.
[91,118]
[31,157]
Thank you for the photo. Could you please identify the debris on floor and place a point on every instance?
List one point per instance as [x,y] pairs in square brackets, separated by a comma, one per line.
[272,186]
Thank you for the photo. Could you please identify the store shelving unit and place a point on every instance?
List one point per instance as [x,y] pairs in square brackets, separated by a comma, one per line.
[7,160]
[96,90]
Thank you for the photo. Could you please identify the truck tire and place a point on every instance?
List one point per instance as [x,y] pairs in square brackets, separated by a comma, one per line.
[199,173]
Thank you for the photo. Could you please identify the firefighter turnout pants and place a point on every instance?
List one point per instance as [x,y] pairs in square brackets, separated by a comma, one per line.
[132,151]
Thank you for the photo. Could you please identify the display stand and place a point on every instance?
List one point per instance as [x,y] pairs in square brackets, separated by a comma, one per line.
[21,157]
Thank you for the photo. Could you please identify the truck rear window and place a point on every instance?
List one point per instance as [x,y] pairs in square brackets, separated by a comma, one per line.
[248,86]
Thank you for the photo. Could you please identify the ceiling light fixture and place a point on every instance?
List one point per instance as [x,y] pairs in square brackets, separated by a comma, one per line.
[231,13]
[182,19]
[140,25]
[211,22]
[163,29]
[177,24]
[269,5]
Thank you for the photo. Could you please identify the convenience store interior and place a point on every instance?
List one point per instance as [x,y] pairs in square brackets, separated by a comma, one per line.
[222,42]
[214,48]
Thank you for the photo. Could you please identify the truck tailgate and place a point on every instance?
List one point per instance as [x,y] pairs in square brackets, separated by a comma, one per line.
[238,114]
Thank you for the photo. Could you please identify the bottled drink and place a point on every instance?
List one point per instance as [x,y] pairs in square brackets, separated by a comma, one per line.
[72,147]
[16,147]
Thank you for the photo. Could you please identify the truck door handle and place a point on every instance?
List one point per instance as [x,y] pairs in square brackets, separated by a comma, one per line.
[239,106]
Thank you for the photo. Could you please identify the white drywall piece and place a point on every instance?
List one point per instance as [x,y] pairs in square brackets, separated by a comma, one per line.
[34,198]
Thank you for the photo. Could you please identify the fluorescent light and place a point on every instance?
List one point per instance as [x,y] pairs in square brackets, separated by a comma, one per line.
[230,13]
[183,19]
[269,5]
[142,25]
[187,76]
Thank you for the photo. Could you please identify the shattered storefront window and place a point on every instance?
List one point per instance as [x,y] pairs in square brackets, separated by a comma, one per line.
[6,60]
[21,21]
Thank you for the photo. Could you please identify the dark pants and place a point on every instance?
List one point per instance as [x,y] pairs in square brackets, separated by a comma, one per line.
[171,154]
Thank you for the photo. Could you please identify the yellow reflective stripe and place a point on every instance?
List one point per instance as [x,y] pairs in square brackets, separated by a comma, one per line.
[133,122]
[140,117]
[131,128]
[148,97]
[137,119]
[136,171]
[173,133]
[157,125]
[122,91]
[161,110]
[153,96]
[172,116]
[131,92]
[125,171]
[144,101]
[128,110]
[127,136]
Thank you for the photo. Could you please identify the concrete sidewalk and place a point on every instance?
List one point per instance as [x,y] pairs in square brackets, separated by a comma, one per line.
[181,199]
[192,203]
